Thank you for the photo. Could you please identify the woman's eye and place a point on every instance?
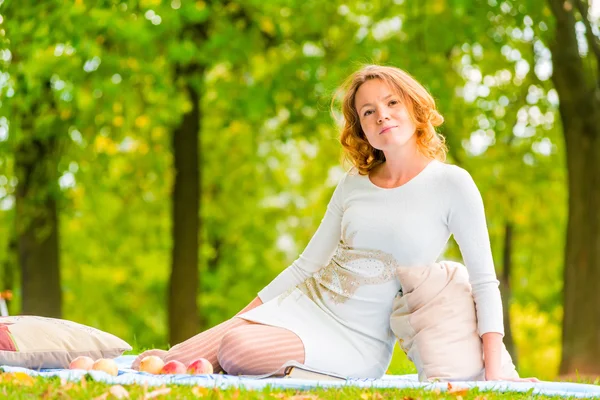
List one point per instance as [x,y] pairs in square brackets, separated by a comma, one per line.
[393,102]
[368,112]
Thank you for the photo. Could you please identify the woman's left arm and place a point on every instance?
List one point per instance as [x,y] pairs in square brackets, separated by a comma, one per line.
[492,346]
[466,221]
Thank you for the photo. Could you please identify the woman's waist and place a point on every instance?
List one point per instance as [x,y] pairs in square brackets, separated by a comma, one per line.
[366,311]
[350,271]
[354,293]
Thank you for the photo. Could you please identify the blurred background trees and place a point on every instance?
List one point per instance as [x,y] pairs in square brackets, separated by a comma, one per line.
[161,161]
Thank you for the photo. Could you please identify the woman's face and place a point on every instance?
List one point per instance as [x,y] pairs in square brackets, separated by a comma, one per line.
[383,118]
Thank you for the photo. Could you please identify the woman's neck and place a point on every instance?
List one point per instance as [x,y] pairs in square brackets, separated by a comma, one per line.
[400,169]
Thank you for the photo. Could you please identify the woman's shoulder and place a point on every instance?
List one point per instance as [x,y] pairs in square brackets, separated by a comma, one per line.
[442,171]
[353,172]
[349,180]
[347,174]
[355,180]
[454,173]
[456,181]
[451,174]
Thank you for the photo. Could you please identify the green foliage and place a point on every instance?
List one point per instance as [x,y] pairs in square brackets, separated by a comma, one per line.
[269,155]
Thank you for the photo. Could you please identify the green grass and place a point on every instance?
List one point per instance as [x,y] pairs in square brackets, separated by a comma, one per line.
[21,386]
[53,388]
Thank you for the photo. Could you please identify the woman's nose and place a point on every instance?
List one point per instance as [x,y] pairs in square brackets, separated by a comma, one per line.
[383,116]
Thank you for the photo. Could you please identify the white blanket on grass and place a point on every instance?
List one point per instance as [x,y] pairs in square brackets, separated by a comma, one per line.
[128,376]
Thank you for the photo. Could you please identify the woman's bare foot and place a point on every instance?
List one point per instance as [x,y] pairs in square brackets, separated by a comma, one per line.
[153,352]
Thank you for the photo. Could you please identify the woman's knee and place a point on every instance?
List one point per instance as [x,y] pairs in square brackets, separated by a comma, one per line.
[258,349]
[235,347]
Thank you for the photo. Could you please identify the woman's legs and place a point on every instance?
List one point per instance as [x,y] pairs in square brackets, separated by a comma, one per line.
[205,344]
[256,349]
[238,347]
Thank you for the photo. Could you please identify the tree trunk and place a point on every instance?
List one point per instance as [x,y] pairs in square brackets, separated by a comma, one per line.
[580,114]
[505,289]
[183,284]
[37,228]
[10,270]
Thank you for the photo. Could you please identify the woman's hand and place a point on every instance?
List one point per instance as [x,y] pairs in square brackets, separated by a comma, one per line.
[499,378]
[154,352]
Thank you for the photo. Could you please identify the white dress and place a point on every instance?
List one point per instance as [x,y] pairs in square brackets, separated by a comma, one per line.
[337,296]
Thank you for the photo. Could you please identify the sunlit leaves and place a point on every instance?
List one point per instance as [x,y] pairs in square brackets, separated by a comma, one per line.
[268,149]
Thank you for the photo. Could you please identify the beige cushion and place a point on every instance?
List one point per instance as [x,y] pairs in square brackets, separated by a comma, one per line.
[436,324]
[38,342]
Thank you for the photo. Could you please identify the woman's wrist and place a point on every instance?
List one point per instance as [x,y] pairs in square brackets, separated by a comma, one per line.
[492,350]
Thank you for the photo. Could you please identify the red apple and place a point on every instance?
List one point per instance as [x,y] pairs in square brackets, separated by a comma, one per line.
[173,367]
[200,366]
[82,362]
[107,365]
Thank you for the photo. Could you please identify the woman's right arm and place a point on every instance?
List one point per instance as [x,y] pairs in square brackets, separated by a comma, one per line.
[253,304]
[317,253]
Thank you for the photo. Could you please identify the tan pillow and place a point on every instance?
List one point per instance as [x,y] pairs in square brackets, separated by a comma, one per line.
[38,342]
[436,324]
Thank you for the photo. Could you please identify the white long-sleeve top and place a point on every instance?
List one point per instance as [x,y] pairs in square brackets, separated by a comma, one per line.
[413,223]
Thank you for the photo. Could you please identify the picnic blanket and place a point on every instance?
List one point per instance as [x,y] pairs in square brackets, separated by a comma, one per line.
[129,376]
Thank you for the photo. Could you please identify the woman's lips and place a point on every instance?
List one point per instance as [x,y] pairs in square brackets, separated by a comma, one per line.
[384,130]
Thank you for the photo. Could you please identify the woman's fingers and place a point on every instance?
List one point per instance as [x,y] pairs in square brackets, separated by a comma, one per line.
[530,379]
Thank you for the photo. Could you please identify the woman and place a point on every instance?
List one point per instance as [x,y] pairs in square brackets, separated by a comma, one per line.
[398,206]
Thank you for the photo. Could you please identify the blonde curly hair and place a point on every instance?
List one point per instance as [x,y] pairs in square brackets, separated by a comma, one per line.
[420,106]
